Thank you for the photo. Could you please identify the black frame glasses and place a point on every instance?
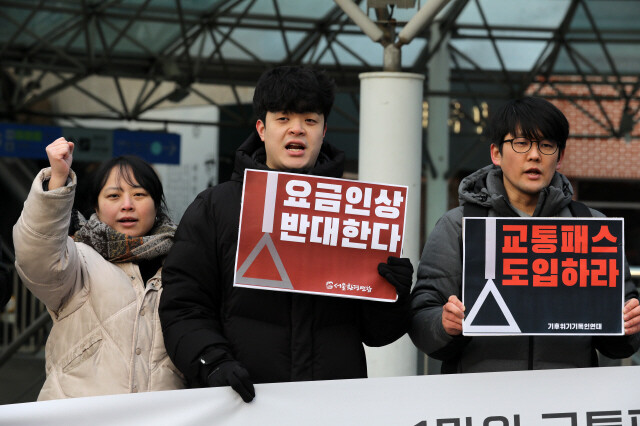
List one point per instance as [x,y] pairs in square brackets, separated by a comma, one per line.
[548,148]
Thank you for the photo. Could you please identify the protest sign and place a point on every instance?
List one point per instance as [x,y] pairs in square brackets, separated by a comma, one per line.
[318,235]
[543,276]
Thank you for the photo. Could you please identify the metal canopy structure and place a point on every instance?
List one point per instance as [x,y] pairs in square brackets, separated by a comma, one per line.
[122,58]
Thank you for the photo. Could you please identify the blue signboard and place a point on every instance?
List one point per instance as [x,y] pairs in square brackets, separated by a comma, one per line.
[30,141]
[90,144]
[153,147]
[26,141]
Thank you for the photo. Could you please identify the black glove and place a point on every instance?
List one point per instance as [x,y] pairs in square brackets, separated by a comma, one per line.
[399,272]
[232,373]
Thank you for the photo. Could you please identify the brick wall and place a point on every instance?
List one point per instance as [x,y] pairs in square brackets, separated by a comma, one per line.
[590,152]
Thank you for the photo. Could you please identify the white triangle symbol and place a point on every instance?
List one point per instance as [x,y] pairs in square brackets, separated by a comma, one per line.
[468,326]
[284,281]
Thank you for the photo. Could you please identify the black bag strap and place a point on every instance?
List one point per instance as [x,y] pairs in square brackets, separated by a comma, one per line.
[579,209]
[474,210]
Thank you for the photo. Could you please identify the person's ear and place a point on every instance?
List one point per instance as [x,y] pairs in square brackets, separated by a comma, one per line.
[260,129]
[496,155]
[324,132]
[560,158]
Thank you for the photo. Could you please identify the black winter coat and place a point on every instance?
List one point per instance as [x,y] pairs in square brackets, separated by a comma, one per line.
[276,336]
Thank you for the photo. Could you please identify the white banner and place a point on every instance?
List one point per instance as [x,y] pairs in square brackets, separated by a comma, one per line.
[574,397]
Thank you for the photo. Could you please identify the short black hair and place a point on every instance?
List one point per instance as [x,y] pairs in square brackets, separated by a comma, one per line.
[142,172]
[529,117]
[293,89]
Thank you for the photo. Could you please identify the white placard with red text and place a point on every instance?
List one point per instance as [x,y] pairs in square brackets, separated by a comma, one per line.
[318,235]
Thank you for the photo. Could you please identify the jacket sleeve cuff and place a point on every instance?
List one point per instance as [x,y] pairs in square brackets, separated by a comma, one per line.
[48,212]
[210,359]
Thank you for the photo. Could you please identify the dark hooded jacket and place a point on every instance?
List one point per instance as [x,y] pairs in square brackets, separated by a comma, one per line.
[276,336]
[440,275]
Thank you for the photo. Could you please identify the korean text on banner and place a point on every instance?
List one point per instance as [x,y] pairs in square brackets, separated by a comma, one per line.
[318,235]
[543,276]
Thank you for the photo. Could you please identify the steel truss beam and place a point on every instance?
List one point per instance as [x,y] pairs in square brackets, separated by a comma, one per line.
[104,26]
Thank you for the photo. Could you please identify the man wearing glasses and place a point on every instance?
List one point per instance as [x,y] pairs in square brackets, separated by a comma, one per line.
[528,137]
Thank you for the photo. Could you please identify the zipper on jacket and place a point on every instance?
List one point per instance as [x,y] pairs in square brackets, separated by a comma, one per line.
[530,352]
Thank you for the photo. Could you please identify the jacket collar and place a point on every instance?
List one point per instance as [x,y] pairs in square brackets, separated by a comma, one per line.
[485,187]
[252,155]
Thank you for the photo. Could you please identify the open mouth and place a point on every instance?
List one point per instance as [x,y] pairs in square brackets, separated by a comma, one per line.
[127,221]
[533,172]
[295,147]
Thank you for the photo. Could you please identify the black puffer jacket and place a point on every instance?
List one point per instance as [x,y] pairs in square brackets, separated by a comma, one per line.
[277,336]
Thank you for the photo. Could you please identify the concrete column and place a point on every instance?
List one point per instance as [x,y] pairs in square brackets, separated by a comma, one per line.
[437,133]
[391,152]
[437,144]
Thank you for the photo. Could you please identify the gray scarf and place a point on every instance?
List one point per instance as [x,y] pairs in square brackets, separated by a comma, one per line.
[120,248]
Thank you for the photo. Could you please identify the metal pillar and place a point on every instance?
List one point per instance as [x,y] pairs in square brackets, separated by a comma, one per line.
[390,152]
[438,133]
[437,142]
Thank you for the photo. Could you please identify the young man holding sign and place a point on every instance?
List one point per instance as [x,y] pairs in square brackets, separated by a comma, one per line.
[528,137]
[221,335]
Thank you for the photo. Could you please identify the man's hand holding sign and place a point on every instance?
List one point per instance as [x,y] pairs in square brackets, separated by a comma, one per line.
[399,272]
[453,315]
[631,314]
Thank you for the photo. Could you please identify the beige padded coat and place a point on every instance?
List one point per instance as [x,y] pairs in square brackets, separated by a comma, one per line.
[106,336]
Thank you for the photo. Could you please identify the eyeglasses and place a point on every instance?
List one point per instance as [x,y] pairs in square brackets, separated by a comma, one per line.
[523,145]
